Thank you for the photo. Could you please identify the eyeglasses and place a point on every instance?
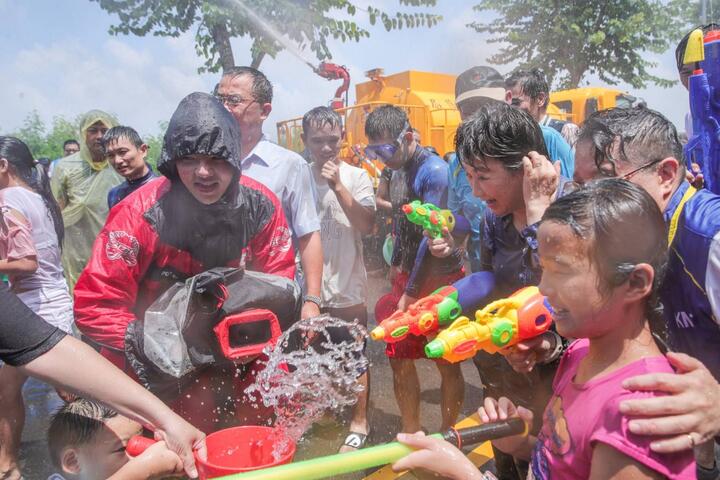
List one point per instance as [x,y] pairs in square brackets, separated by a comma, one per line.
[633,172]
[232,100]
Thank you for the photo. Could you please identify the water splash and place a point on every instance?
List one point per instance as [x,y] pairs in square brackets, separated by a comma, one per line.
[301,384]
[264,24]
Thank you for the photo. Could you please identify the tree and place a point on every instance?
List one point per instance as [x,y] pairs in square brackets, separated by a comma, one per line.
[154,143]
[569,40]
[305,22]
[43,143]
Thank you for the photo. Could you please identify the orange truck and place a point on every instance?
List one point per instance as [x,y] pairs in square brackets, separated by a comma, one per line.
[429,100]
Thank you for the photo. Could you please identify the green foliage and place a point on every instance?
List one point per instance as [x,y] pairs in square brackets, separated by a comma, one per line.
[43,142]
[569,40]
[49,143]
[154,142]
[307,23]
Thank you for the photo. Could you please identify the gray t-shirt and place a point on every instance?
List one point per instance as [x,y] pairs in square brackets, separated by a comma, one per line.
[344,278]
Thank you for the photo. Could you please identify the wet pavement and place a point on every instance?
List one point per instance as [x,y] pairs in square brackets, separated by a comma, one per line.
[325,437]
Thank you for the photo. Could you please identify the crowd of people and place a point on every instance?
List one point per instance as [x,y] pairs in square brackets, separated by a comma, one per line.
[606,218]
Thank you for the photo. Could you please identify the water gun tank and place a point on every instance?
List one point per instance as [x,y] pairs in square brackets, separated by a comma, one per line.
[428,99]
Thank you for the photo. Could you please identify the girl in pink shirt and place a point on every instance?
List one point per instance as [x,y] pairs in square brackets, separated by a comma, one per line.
[602,250]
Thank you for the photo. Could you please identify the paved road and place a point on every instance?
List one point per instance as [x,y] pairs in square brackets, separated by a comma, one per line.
[325,437]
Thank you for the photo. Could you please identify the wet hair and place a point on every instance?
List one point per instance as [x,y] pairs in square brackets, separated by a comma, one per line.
[501,132]
[76,423]
[319,116]
[70,142]
[622,226]
[680,49]
[635,135]
[23,165]
[262,89]
[387,120]
[532,83]
[121,131]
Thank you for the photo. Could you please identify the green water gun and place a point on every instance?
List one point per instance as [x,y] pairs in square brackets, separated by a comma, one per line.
[430,217]
[341,463]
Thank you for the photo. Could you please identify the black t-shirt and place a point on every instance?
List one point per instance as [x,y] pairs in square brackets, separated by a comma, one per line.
[24,336]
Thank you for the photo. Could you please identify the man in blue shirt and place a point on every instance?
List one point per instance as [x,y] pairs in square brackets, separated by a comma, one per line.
[417,174]
[126,153]
[529,91]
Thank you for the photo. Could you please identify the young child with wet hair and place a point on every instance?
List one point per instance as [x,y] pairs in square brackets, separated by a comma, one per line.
[87,441]
[603,250]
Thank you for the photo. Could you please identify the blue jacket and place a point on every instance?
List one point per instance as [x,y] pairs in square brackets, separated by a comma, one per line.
[127,187]
[691,290]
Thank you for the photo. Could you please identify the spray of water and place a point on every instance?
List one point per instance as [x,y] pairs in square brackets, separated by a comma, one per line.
[263,23]
[301,384]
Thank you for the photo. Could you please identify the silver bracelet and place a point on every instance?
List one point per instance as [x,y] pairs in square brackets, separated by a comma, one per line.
[313,298]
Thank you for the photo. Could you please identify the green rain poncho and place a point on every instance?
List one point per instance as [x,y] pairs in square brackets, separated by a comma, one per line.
[81,187]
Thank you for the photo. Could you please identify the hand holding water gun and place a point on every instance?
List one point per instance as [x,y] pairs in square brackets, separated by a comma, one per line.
[430,217]
[703,147]
[503,323]
[423,317]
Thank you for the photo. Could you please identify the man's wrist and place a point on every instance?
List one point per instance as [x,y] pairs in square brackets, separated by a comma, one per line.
[312,299]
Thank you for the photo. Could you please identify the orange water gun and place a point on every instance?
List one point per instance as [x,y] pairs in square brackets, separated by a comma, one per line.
[501,324]
[423,317]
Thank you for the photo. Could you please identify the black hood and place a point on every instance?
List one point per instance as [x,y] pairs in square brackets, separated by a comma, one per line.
[200,125]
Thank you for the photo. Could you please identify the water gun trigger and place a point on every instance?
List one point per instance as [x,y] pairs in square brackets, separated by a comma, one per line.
[695,50]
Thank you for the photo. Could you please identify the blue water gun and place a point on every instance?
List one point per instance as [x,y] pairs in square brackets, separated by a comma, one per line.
[703,148]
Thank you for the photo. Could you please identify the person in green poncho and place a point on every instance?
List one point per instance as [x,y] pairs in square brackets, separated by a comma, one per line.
[80,184]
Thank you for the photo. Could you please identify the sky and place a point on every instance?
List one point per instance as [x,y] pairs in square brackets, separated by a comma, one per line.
[59,59]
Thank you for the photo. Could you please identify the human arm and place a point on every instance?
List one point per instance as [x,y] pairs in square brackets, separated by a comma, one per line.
[121,255]
[154,463]
[358,205]
[493,410]
[311,259]
[305,224]
[437,456]
[58,184]
[25,265]
[691,406]
[431,185]
[76,367]
[383,192]
[21,253]
[610,464]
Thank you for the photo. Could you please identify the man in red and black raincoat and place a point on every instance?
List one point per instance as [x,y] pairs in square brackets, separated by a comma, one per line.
[202,214]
